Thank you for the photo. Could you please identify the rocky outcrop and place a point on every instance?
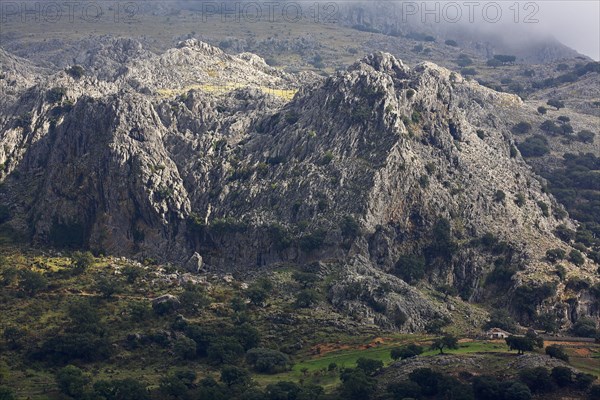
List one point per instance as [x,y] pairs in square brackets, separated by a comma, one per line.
[196,151]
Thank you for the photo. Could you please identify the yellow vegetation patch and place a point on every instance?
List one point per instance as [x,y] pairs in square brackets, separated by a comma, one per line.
[286,94]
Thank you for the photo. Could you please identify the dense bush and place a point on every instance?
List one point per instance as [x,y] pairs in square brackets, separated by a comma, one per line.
[586,136]
[556,103]
[576,257]
[554,255]
[521,128]
[410,268]
[368,365]
[584,327]
[410,350]
[72,381]
[76,71]
[556,351]
[267,360]
[356,385]
[306,298]
[500,318]
[32,282]
[534,146]
[537,379]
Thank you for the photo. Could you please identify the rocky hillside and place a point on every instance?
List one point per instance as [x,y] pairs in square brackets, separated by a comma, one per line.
[380,175]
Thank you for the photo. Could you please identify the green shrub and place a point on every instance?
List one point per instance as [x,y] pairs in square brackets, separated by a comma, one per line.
[520,200]
[586,136]
[410,268]
[410,350]
[534,146]
[556,103]
[32,282]
[305,298]
[76,71]
[368,365]
[313,241]
[584,327]
[576,257]
[556,351]
[544,207]
[554,255]
[521,128]
[499,196]
[56,94]
[268,361]
[72,381]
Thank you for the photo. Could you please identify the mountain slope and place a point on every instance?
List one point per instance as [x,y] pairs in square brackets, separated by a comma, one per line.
[360,172]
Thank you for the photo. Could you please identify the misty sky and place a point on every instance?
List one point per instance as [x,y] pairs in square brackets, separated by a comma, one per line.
[575,23]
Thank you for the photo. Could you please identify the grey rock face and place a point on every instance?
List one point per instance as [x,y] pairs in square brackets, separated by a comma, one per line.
[198,152]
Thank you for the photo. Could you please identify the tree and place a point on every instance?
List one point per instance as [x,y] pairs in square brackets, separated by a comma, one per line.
[193,298]
[81,261]
[542,110]
[521,128]
[486,388]
[306,279]
[247,335]
[500,318]
[84,316]
[410,350]
[369,365]
[122,389]
[550,127]
[584,327]
[516,391]
[72,381]
[499,196]
[224,350]
[586,136]
[107,286]
[427,379]
[505,58]
[554,255]
[520,343]
[447,341]
[356,385]
[534,146]
[267,360]
[6,393]
[185,348]
[410,268]
[305,298]
[257,295]
[556,103]
[76,71]
[32,282]
[493,63]
[537,379]
[447,291]
[404,390]
[576,257]
[231,376]
[13,336]
[562,376]
[556,351]
[171,385]
[132,273]
[594,393]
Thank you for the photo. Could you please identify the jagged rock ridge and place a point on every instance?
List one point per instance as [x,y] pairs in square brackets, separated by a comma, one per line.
[358,169]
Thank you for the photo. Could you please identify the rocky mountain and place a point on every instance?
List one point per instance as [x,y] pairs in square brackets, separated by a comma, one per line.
[370,175]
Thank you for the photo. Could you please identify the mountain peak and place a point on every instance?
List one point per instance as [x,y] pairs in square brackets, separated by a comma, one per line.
[382,62]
